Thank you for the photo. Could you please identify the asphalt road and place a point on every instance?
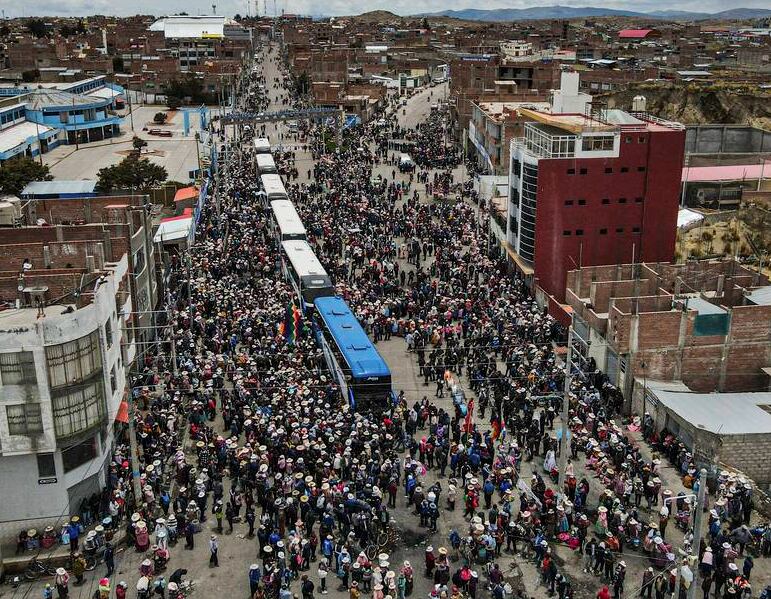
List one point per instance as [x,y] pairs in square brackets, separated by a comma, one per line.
[237,552]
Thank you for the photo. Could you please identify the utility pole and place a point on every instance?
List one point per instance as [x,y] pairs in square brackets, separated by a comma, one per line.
[132,432]
[678,579]
[565,410]
[698,520]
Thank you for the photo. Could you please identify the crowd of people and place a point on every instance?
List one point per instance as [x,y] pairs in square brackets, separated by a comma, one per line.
[246,426]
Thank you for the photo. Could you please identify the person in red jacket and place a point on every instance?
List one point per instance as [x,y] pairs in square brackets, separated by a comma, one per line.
[603,593]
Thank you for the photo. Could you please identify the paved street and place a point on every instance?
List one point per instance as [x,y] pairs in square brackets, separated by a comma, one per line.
[176,154]
[237,552]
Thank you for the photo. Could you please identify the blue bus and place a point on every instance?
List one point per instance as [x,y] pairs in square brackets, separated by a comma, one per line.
[356,365]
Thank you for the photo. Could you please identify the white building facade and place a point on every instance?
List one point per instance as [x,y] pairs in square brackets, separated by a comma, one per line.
[63,377]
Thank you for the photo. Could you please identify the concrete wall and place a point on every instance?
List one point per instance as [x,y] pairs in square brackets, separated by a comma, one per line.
[726,139]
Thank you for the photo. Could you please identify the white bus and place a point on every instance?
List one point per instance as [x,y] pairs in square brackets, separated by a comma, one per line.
[304,271]
[274,187]
[287,224]
[266,164]
[261,145]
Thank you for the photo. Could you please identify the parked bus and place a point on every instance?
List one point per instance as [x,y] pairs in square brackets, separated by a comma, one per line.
[286,222]
[274,187]
[304,271]
[261,145]
[361,372]
[266,164]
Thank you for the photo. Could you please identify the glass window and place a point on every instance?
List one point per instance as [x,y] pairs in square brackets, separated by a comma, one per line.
[79,454]
[597,143]
[46,465]
[78,409]
[24,419]
[18,368]
[74,361]
[108,332]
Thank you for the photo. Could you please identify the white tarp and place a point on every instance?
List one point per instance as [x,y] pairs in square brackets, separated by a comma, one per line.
[173,230]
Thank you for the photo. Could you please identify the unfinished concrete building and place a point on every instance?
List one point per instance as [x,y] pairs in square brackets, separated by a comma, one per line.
[707,324]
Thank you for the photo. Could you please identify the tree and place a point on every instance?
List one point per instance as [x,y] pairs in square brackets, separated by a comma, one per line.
[5,31]
[37,27]
[173,103]
[426,24]
[303,83]
[132,172]
[138,143]
[159,118]
[237,17]
[15,174]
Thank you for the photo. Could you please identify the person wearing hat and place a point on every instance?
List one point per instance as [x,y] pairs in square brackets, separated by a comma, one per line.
[62,580]
[214,547]
[255,575]
[646,588]
[323,571]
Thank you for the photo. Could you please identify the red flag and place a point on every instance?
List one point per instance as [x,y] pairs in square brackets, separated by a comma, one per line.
[496,429]
[468,424]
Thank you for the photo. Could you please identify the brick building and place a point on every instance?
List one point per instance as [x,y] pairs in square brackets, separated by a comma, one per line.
[75,302]
[694,322]
[590,186]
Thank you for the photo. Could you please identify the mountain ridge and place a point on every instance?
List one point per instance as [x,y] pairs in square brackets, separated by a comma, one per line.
[575,12]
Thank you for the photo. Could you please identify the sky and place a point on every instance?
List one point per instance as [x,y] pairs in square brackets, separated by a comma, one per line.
[17,8]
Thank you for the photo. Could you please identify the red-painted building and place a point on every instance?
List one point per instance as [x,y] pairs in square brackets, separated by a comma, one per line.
[590,191]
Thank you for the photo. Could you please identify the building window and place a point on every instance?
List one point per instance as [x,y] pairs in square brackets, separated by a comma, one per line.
[139,262]
[597,143]
[571,171]
[24,419]
[108,332]
[568,202]
[582,202]
[628,139]
[605,201]
[566,233]
[608,170]
[78,409]
[583,171]
[79,454]
[603,231]
[622,200]
[620,230]
[635,229]
[579,232]
[624,169]
[640,169]
[113,380]
[18,368]
[638,200]
[46,465]
[74,361]
[641,140]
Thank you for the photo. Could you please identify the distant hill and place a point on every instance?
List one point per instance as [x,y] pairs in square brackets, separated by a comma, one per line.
[577,12]
[378,16]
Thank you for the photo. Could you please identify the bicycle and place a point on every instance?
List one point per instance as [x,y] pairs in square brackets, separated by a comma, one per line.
[36,568]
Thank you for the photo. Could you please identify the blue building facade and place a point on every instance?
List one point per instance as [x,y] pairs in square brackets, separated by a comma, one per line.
[40,120]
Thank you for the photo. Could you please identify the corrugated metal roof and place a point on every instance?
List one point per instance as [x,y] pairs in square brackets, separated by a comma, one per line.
[761,296]
[59,187]
[18,134]
[735,172]
[721,413]
[38,99]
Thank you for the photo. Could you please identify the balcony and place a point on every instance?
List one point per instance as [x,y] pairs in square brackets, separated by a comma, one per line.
[545,141]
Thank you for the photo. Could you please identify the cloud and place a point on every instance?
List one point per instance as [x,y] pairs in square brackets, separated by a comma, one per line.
[16,8]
